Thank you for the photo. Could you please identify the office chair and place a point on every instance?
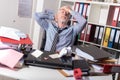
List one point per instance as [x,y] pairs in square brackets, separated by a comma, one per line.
[43,41]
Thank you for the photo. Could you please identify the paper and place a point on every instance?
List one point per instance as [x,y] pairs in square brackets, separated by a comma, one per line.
[10,57]
[84,55]
[37,53]
[11,33]
[97,68]
[53,56]
[4,46]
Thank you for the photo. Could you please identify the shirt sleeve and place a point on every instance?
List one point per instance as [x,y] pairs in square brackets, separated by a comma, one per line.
[81,21]
[43,18]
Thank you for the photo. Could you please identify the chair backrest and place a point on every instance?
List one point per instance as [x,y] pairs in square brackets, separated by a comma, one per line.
[43,41]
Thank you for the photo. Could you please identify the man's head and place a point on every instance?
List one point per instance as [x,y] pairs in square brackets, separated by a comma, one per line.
[63,15]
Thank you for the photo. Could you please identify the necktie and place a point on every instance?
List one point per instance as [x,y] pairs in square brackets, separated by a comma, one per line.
[56,38]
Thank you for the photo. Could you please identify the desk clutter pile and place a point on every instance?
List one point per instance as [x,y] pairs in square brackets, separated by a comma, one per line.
[98,60]
[14,45]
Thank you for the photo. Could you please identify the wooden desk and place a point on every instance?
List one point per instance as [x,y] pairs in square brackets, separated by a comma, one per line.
[39,73]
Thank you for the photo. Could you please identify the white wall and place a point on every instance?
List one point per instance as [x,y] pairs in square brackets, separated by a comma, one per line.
[9,16]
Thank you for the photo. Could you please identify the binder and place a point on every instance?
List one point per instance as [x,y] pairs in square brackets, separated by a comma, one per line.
[112,38]
[88,32]
[106,37]
[92,33]
[100,35]
[115,44]
[82,34]
[95,52]
[96,34]
[76,7]
[118,22]
[81,8]
[88,11]
[115,16]
[12,41]
[85,10]
[118,47]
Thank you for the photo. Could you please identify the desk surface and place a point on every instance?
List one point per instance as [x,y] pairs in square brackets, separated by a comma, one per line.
[39,73]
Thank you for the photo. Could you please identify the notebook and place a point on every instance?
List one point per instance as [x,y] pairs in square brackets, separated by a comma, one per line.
[44,60]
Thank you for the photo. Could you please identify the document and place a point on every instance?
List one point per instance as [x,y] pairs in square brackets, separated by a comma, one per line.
[37,53]
[11,33]
[66,73]
[84,54]
[54,56]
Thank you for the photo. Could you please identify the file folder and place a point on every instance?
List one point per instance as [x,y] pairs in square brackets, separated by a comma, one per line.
[81,8]
[115,44]
[118,47]
[100,35]
[76,6]
[118,22]
[115,16]
[22,41]
[82,34]
[106,37]
[96,34]
[85,10]
[112,38]
[94,51]
[88,32]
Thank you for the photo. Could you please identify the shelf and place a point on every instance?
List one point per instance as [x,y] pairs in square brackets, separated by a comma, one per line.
[100,16]
[94,2]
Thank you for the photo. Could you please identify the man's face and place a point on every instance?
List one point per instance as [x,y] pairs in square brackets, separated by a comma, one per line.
[63,15]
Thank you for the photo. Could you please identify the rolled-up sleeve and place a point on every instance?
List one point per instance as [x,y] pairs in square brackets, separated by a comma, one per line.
[81,21]
[42,18]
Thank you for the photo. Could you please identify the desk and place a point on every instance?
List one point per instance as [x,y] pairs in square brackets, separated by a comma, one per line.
[39,73]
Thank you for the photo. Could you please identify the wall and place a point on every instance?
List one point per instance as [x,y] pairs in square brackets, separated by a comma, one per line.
[9,16]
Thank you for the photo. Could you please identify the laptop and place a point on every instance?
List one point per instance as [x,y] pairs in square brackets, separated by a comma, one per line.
[44,60]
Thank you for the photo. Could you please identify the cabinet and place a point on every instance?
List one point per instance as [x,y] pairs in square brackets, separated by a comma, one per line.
[103,23]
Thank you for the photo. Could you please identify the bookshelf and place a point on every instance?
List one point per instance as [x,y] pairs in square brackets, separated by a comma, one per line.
[103,22]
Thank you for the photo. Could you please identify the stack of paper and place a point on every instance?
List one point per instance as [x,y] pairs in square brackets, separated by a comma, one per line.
[11,33]
[10,57]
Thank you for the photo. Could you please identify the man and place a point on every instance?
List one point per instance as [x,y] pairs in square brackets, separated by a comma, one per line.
[58,23]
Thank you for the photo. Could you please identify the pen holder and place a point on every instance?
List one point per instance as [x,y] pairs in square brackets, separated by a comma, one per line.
[77,74]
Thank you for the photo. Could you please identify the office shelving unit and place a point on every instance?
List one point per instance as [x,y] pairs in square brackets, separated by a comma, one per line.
[102,28]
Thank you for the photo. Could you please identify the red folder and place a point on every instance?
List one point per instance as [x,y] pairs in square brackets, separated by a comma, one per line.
[76,7]
[85,10]
[82,34]
[115,16]
[107,67]
[22,41]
